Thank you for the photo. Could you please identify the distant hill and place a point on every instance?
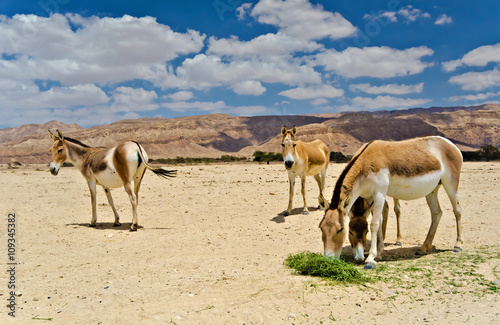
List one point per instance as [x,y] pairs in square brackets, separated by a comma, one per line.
[218,134]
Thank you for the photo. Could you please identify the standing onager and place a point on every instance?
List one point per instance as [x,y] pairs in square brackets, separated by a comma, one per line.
[110,168]
[404,170]
[358,226]
[304,159]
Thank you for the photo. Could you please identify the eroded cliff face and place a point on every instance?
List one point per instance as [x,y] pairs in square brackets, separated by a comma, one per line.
[217,134]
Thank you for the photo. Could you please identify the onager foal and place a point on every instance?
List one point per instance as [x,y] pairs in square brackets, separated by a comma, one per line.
[110,168]
[304,159]
[358,226]
[404,170]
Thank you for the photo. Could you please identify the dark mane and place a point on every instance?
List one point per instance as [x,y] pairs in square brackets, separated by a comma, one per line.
[76,142]
[338,186]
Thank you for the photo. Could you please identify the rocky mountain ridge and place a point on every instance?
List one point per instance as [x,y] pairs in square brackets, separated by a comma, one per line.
[218,134]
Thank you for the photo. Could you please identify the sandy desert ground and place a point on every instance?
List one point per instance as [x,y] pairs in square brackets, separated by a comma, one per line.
[211,251]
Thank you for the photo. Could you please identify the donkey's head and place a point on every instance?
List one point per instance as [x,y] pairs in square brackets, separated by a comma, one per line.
[332,228]
[288,143]
[58,151]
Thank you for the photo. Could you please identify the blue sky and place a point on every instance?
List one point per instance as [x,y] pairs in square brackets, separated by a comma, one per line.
[96,62]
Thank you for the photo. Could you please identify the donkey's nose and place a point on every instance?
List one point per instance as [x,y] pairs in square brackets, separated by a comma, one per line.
[288,164]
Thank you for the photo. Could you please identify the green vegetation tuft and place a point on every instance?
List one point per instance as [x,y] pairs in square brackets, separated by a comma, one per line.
[314,264]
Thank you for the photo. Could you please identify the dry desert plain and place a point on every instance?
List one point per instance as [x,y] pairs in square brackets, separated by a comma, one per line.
[211,247]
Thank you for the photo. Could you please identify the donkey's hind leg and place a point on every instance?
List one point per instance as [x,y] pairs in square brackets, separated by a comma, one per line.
[320,178]
[112,204]
[436,213]
[137,183]
[133,201]
[452,194]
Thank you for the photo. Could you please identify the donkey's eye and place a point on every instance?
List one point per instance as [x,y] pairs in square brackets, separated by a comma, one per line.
[59,150]
[350,233]
[294,145]
[283,145]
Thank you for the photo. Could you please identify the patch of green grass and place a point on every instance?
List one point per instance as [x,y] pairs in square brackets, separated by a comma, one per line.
[314,264]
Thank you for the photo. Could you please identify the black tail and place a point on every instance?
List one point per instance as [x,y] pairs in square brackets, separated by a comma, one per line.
[160,172]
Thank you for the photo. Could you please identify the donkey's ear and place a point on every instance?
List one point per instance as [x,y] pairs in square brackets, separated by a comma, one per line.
[345,202]
[283,130]
[52,135]
[59,134]
[294,130]
[323,203]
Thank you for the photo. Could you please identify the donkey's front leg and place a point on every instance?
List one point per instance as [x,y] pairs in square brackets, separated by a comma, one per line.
[92,188]
[378,206]
[303,191]
[291,180]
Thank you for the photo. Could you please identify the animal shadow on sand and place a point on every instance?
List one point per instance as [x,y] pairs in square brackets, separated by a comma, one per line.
[280,217]
[104,226]
[394,253]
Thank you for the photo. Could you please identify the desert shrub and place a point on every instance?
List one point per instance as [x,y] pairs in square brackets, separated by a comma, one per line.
[339,157]
[486,153]
[262,156]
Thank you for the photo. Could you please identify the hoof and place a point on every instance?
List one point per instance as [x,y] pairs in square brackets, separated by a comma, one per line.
[419,253]
[117,224]
[320,208]
[132,229]
[92,225]
[457,249]
[305,212]
[398,243]
[286,214]
[370,266]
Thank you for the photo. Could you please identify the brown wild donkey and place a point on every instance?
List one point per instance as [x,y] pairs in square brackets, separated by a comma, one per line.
[404,170]
[304,159]
[110,168]
[358,226]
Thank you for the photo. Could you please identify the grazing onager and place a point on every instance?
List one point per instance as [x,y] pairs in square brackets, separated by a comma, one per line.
[110,168]
[304,159]
[358,226]
[404,170]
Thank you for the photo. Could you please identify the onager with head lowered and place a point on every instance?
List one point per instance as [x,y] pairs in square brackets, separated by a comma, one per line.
[404,170]
[304,159]
[110,168]
[358,226]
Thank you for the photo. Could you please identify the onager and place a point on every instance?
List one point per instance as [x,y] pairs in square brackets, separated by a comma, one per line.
[304,159]
[358,226]
[110,168]
[404,170]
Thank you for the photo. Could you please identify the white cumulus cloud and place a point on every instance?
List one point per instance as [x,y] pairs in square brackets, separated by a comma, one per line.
[443,20]
[393,89]
[407,13]
[378,61]
[80,50]
[387,102]
[477,80]
[249,87]
[474,97]
[303,20]
[134,99]
[312,92]
[479,57]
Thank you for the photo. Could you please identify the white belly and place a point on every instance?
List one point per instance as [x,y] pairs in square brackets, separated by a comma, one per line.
[109,178]
[411,188]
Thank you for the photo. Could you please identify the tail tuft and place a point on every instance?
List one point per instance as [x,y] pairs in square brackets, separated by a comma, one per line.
[160,172]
